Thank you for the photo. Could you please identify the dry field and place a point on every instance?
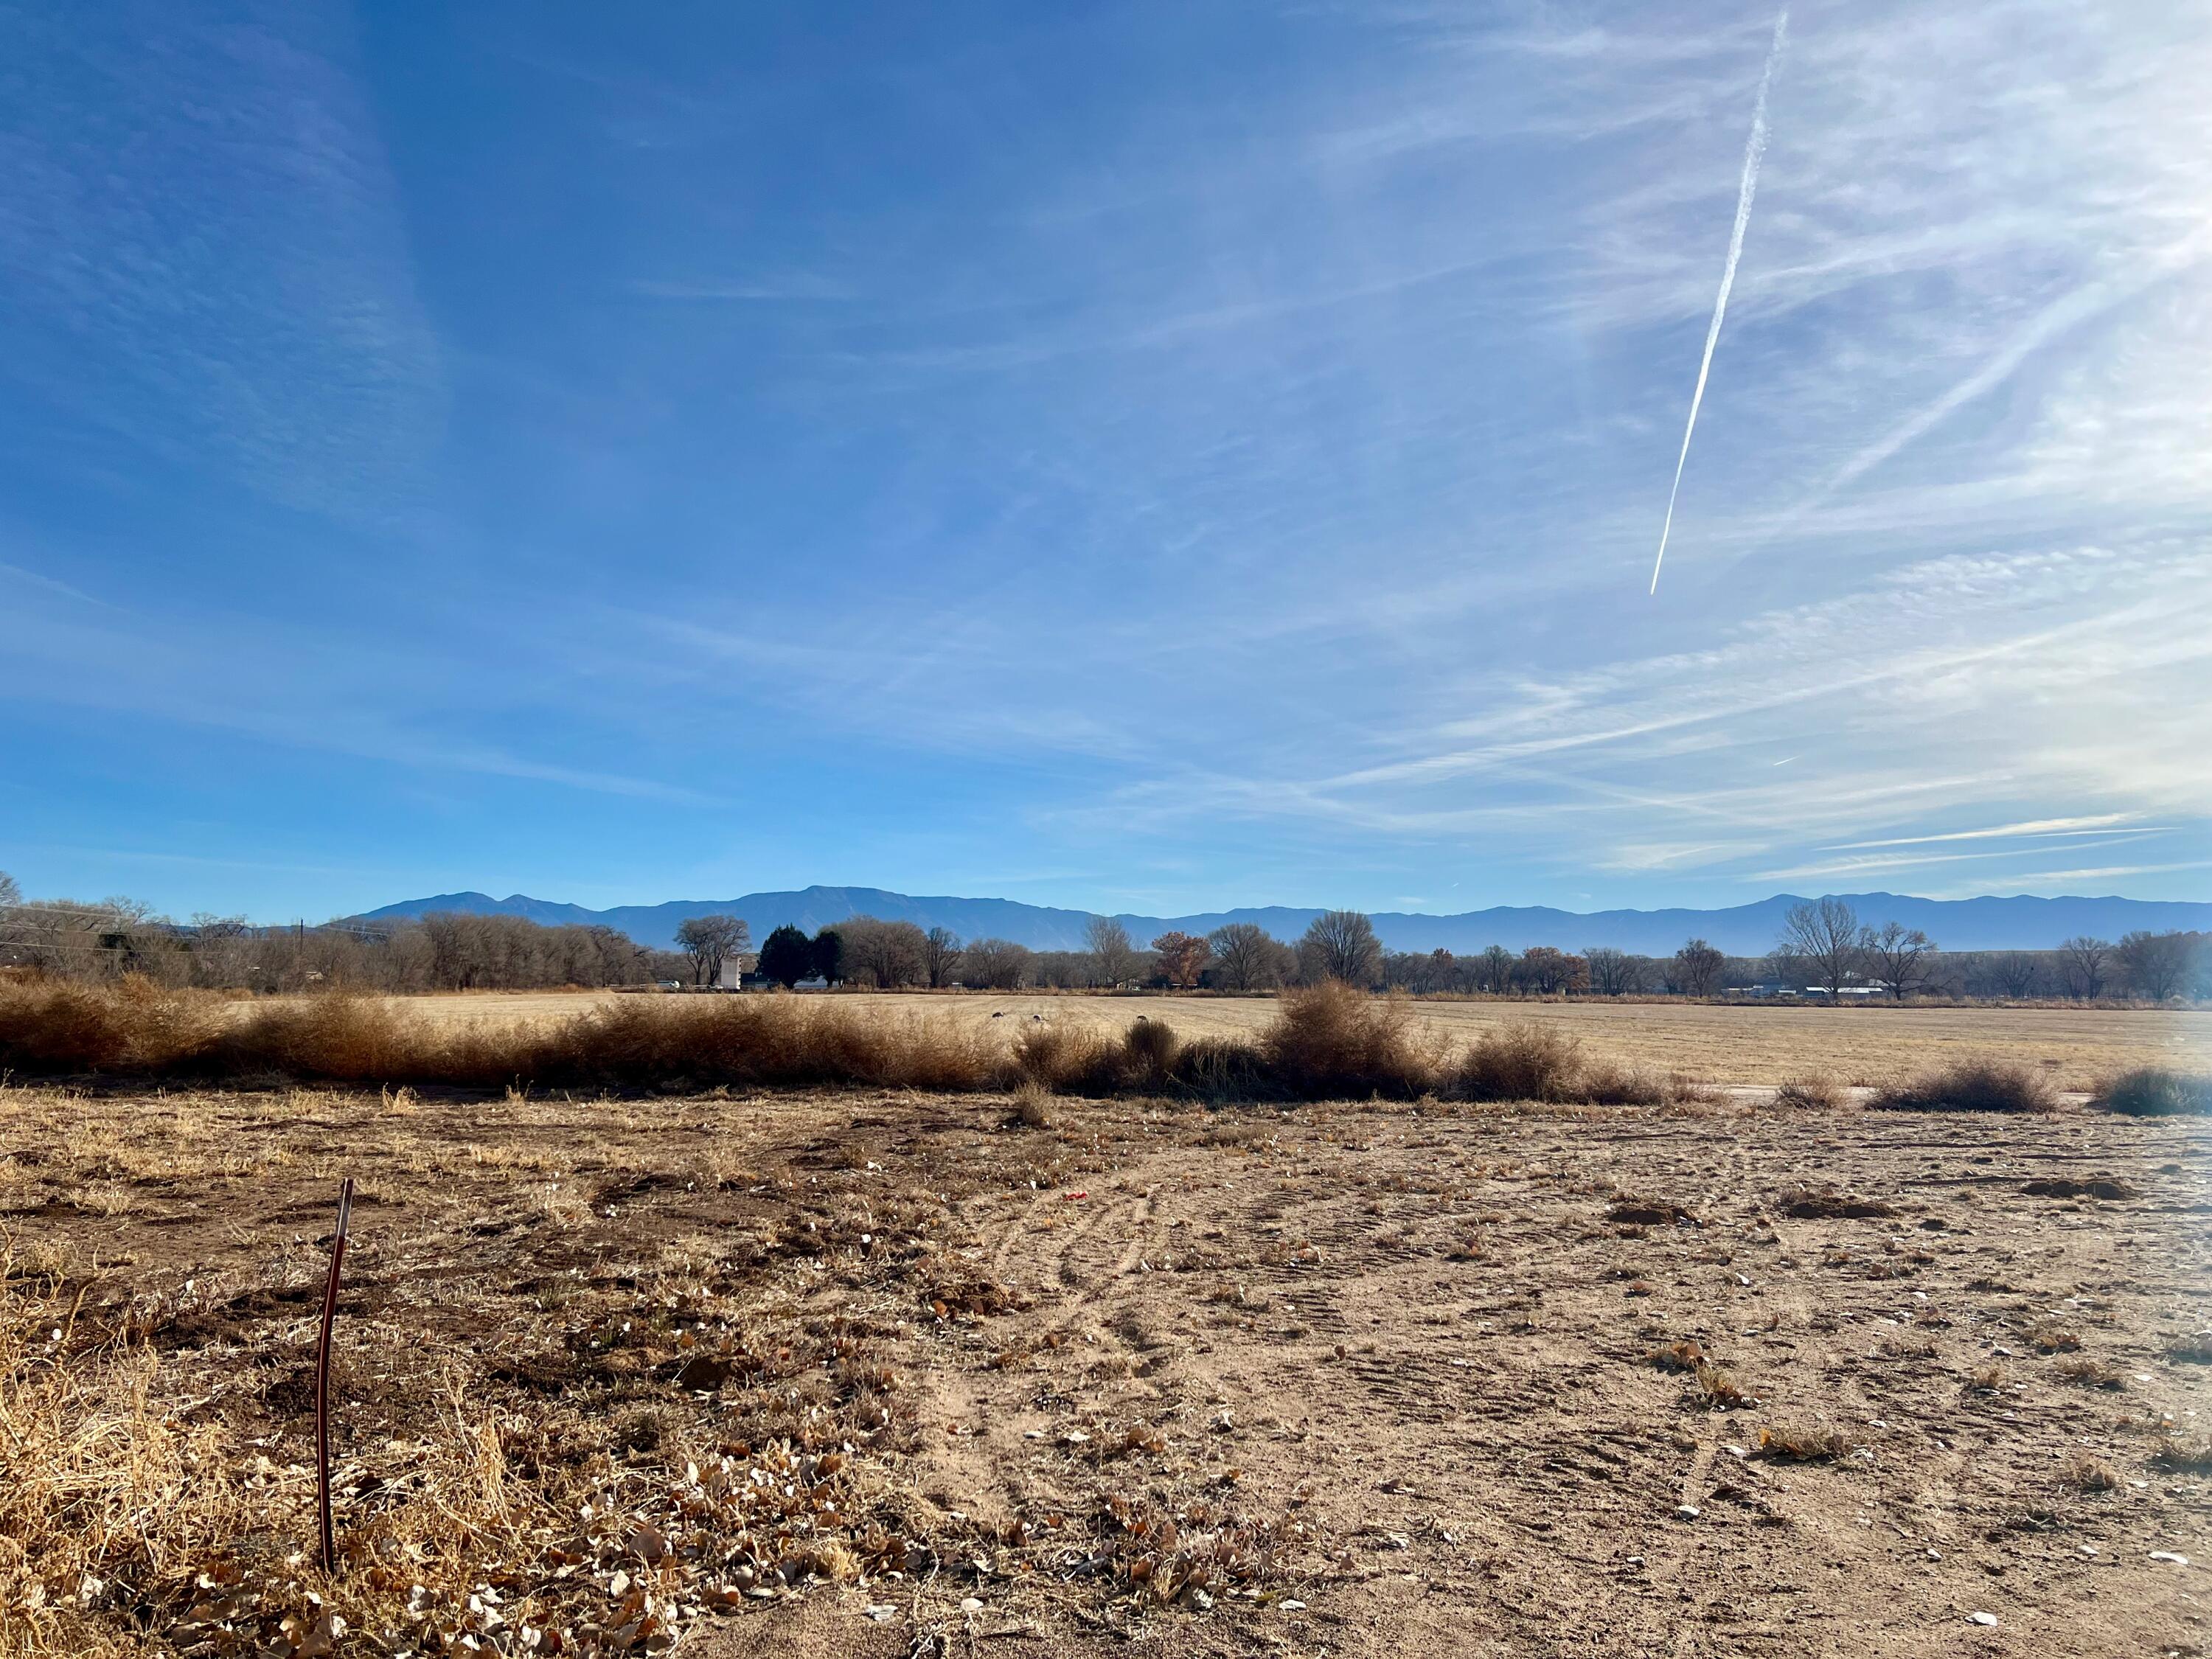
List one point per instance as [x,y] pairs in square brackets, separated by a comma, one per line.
[1714,1042]
[888,1374]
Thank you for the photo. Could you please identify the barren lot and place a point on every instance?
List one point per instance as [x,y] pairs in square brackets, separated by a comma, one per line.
[882,1374]
[1712,1043]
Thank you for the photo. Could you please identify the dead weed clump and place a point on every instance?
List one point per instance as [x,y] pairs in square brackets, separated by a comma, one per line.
[2086,1473]
[2183,1456]
[1532,1062]
[1718,1390]
[1814,1093]
[1327,1041]
[1972,1085]
[1032,1105]
[2087,1373]
[1827,1204]
[1685,1355]
[2155,1092]
[1332,1041]
[1082,1060]
[632,1043]
[50,1027]
[1803,1442]
[1523,1061]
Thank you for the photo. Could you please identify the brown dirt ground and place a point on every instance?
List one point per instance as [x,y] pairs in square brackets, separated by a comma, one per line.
[1713,1043]
[1411,1345]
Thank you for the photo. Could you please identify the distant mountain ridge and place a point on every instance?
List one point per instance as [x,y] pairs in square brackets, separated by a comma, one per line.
[2018,923]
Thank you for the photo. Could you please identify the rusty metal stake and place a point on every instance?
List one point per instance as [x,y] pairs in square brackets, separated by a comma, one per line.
[323,1379]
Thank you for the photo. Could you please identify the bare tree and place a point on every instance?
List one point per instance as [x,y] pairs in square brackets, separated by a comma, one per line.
[1341,945]
[940,958]
[1549,971]
[1697,969]
[11,894]
[1113,958]
[1903,955]
[886,954]
[1613,973]
[2013,973]
[1493,970]
[1823,939]
[2157,964]
[1182,958]
[2081,964]
[996,964]
[1245,957]
[709,941]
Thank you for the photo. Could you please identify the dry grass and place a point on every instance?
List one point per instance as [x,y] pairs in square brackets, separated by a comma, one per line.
[1722,1043]
[2155,1092]
[1969,1086]
[1329,1041]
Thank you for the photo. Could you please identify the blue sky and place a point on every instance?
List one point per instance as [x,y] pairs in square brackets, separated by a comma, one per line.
[1137,457]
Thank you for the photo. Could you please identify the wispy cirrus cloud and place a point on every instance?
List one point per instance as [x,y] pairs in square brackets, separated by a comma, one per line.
[213,278]
[2101,824]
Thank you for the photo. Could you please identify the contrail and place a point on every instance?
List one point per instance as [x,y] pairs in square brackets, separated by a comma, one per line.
[1753,153]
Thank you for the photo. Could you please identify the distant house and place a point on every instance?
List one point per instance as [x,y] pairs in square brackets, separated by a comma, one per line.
[1872,988]
[735,967]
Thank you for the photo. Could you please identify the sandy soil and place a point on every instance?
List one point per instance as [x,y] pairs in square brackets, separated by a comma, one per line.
[1722,1043]
[1408,1354]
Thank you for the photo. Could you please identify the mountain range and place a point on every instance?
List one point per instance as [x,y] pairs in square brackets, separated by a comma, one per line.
[2018,923]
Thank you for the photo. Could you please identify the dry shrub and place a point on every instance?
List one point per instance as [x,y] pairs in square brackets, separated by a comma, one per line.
[1528,1060]
[50,1027]
[1522,1061]
[1603,1084]
[2091,1373]
[1329,1040]
[2183,1456]
[1333,1040]
[2051,1337]
[1814,1093]
[1972,1085]
[2098,1187]
[1032,1107]
[1718,1390]
[1225,1068]
[1685,1355]
[1149,1048]
[336,1036]
[2153,1091]
[1066,1059]
[1827,1204]
[2087,1474]
[1629,1211]
[1803,1442]
[635,1042]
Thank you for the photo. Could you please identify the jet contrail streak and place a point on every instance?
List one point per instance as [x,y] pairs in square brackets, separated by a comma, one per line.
[1753,153]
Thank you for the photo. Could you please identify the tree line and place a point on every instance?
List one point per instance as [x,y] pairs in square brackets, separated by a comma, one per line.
[1823,948]
[108,939]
